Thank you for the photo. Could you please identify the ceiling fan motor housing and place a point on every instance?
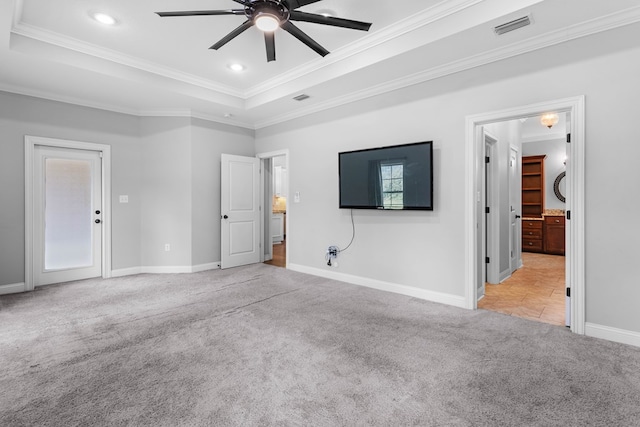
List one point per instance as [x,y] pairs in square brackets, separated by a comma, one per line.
[277,9]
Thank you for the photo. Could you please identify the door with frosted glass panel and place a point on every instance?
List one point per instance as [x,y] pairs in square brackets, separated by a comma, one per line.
[67,215]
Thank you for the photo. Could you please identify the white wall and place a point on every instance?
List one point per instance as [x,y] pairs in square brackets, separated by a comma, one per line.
[168,167]
[209,141]
[426,250]
[166,191]
[22,115]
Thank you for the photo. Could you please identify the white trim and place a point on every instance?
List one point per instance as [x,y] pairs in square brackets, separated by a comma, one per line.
[491,226]
[439,297]
[166,269]
[205,267]
[543,137]
[414,22]
[583,29]
[29,147]
[13,288]
[612,334]
[76,45]
[615,20]
[126,272]
[575,258]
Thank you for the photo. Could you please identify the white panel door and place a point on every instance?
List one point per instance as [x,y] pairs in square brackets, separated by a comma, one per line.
[67,221]
[240,211]
[515,191]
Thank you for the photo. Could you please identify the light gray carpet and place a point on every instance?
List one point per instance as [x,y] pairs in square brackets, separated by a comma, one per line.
[260,345]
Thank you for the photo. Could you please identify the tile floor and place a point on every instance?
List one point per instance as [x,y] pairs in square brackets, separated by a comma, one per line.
[536,291]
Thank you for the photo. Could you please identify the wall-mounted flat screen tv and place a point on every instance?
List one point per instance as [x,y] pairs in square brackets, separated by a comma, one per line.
[399,177]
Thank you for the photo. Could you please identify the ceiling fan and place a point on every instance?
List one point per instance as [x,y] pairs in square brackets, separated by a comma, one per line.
[269,15]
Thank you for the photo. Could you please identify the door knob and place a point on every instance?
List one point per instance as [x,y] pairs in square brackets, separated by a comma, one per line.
[97,221]
[225,217]
[517,216]
[97,212]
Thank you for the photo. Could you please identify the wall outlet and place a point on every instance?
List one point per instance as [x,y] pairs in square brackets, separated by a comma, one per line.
[167,247]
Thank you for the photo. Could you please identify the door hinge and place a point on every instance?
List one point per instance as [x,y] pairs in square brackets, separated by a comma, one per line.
[487,210]
[568,214]
[569,292]
[569,138]
[487,260]
[487,159]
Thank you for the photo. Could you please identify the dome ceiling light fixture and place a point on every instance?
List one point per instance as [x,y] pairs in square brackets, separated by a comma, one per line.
[270,15]
[549,119]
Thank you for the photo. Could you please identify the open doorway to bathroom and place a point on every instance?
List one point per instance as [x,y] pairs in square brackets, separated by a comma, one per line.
[276,192]
[526,202]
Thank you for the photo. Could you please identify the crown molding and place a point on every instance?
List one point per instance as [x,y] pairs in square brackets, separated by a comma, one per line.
[554,136]
[18,90]
[50,37]
[594,26]
[398,29]
[49,96]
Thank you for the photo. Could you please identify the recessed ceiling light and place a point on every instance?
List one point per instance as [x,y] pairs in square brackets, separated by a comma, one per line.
[236,67]
[103,18]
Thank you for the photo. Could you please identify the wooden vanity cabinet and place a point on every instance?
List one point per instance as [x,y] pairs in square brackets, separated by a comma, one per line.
[554,235]
[532,236]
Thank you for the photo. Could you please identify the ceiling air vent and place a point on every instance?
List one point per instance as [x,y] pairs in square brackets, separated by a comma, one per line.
[301,97]
[512,25]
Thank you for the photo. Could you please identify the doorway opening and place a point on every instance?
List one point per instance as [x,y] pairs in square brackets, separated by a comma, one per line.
[275,189]
[476,230]
[529,268]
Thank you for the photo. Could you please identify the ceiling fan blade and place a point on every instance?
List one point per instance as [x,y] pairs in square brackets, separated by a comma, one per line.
[233,34]
[294,4]
[202,12]
[270,44]
[329,20]
[304,38]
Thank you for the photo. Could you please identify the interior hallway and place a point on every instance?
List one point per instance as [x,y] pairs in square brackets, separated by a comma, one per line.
[536,291]
[279,255]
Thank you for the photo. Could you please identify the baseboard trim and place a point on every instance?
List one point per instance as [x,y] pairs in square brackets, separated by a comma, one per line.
[172,269]
[612,334]
[205,267]
[380,285]
[12,288]
[126,272]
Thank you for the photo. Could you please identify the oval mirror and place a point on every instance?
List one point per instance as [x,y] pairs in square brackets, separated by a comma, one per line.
[559,187]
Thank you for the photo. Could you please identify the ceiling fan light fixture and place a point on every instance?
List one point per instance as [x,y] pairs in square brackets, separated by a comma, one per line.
[267,22]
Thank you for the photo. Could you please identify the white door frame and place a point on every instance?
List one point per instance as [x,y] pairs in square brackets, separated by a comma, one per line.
[515,189]
[29,150]
[492,246]
[268,155]
[575,230]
